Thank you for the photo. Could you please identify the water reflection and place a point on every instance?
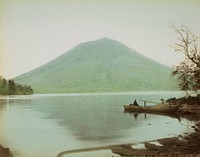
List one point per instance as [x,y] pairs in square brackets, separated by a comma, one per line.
[135,115]
[3,102]
[15,100]
[98,118]
[19,101]
[102,153]
[47,125]
[172,115]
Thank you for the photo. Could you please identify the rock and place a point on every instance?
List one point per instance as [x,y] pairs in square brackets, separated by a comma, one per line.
[5,152]
[154,147]
[168,141]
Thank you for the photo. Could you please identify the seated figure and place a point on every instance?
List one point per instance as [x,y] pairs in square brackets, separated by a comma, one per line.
[135,103]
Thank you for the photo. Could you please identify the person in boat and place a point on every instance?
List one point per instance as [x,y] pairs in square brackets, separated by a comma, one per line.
[135,103]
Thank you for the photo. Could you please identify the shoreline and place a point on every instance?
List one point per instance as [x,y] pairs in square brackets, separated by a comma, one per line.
[173,146]
[178,145]
[99,93]
[5,152]
[187,145]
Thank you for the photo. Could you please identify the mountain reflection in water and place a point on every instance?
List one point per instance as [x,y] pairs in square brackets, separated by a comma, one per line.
[44,125]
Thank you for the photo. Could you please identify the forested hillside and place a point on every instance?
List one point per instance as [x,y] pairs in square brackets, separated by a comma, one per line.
[9,87]
[102,65]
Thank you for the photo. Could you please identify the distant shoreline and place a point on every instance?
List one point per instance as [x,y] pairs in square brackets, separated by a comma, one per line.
[102,93]
[98,93]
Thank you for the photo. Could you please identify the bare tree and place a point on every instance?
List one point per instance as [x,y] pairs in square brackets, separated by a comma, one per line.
[188,71]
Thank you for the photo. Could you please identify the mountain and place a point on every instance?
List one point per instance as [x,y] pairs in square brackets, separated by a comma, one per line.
[102,65]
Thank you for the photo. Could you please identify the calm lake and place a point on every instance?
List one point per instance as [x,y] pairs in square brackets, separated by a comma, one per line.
[45,125]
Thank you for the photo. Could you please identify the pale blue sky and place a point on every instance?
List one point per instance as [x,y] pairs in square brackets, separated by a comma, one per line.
[34,32]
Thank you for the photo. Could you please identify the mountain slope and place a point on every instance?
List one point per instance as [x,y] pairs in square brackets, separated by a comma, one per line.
[103,65]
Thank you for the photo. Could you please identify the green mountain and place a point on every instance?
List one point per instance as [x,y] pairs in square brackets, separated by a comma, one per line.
[103,65]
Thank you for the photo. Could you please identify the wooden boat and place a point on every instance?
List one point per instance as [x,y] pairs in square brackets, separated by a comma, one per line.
[163,107]
[134,108]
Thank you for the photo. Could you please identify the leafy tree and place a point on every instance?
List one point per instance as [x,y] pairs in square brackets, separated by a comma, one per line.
[188,71]
[3,86]
[4,82]
[24,89]
[10,88]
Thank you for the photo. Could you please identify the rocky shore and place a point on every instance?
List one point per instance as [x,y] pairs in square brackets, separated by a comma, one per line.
[186,105]
[187,146]
[5,152]
[175,146]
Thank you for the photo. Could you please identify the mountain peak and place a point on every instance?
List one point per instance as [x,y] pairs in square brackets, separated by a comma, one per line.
[104,42]
[103,65]
[105,39]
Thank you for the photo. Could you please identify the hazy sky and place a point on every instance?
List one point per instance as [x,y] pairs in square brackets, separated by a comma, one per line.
[33,32]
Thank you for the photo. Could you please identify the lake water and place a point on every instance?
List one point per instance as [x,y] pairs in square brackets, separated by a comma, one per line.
[45,125]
